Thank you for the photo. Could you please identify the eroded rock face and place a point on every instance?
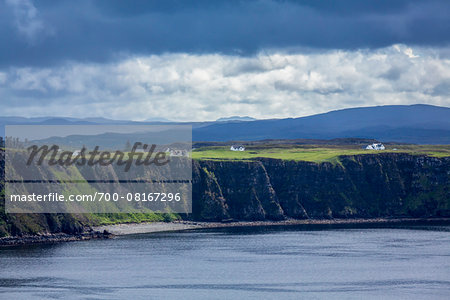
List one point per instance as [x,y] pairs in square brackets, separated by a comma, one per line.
[380,185]
[368,186]
[245,190]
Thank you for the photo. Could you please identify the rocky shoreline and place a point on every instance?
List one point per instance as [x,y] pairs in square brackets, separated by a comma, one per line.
[125,229]
[110,231]
[49,238]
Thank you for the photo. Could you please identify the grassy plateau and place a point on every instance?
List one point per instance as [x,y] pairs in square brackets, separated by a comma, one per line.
[313,153]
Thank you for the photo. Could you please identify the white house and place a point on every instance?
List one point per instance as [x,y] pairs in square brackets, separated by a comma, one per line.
[177,152]
[375,146]
[237,148]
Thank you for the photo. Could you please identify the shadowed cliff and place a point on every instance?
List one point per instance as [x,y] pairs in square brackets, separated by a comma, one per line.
[381,185]
[363,186]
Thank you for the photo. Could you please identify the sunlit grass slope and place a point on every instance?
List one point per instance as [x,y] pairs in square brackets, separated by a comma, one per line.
[311,153]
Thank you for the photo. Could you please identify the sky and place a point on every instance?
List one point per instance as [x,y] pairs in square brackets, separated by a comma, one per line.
[202,60]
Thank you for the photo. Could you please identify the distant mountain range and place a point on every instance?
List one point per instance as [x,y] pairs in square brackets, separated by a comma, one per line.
[236,118]
[419,124]
[158,119]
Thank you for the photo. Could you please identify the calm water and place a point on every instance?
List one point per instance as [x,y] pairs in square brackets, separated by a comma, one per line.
[263,263]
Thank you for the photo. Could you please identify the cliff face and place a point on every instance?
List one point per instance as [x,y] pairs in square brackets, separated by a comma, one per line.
[238,190]
[380,185]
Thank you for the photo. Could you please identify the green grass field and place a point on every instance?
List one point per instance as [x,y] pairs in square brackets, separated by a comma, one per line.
[312,153]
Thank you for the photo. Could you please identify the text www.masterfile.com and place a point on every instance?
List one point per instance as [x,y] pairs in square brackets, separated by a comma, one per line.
[97,196]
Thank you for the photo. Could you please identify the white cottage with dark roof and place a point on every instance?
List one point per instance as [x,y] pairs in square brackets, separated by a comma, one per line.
[237,148]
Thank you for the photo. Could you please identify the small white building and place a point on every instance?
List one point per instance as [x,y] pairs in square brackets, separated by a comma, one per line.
[237,148]
[177,152]
[375,146]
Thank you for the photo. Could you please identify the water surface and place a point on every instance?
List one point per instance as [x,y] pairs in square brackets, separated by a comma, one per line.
[248,263]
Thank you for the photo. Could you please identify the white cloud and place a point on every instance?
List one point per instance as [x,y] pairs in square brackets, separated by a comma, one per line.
[3,77]
[27,19]
[204,87]
[407,51]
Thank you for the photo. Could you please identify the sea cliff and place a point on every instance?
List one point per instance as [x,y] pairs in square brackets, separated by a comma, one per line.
[363,186]
[360,186]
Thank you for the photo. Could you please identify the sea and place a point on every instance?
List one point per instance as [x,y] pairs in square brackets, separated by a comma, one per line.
[267,262]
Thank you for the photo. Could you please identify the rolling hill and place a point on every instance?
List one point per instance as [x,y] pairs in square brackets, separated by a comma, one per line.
[418,124]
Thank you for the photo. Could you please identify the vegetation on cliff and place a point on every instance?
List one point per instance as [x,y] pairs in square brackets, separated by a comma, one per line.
[383,185]
[365,186]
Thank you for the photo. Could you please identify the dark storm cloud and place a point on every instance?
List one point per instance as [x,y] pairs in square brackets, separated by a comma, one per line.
[48,32]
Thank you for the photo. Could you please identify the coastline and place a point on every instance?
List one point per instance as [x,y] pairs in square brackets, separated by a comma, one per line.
[110,231]
[49,238]
[154,227]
